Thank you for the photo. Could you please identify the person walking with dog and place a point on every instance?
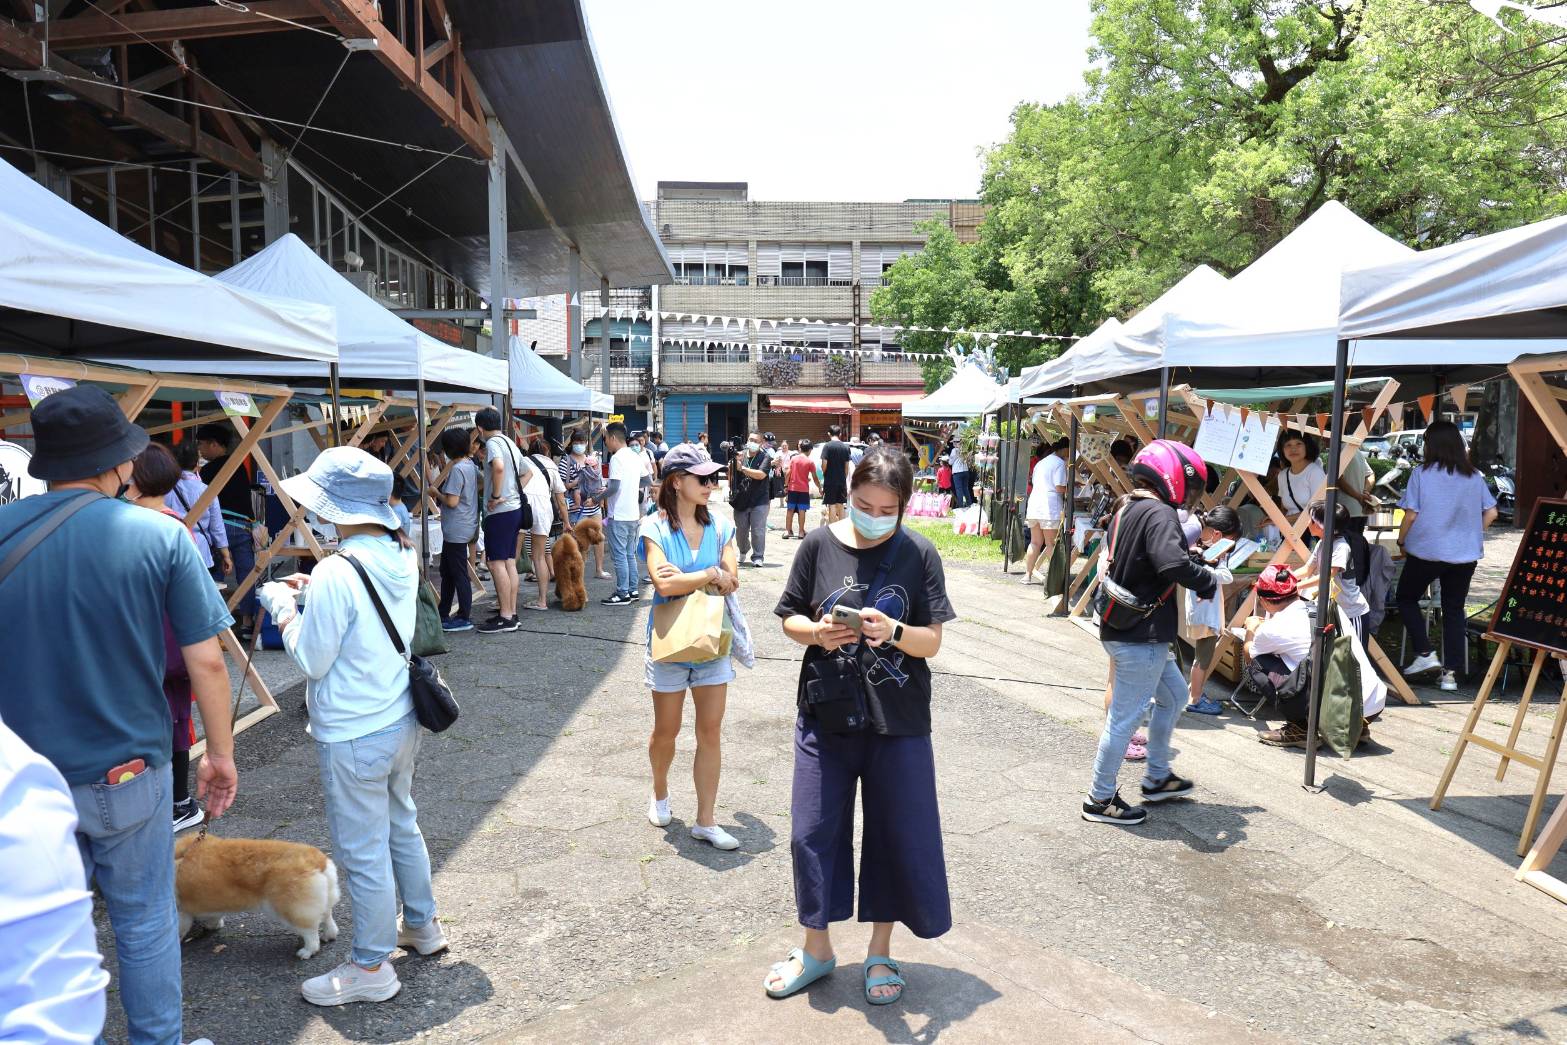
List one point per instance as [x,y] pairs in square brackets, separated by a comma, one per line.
[867,598]
[84,685]
[1148,559]
[361,716]
[688,550]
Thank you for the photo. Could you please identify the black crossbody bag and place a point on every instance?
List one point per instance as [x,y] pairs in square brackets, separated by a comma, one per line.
[1119,607]
[434,705]
[835,686]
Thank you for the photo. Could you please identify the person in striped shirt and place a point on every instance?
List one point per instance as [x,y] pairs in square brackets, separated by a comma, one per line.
[584,478]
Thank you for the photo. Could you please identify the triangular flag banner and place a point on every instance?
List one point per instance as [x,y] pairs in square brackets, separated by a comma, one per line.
[1427,406]
[1209,411]
[1245,413]
[1322,422]
[1460,394]
[1395,412]
[1300,420]
[1366,414]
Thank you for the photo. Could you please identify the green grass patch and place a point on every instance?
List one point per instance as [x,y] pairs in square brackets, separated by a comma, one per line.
[956,547]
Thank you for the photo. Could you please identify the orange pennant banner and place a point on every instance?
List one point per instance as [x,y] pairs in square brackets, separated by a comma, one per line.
[1427,406]
[1368,413]
[1322,422]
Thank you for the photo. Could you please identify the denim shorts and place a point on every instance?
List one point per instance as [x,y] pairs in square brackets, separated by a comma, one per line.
[663,677]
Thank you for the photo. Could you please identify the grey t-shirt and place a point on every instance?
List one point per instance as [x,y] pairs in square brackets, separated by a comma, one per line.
[499,448]
[460,525]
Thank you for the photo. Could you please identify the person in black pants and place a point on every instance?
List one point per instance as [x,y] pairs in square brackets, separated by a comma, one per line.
[459,526]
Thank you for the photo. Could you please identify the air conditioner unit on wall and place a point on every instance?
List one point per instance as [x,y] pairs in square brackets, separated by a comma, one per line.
[642,402]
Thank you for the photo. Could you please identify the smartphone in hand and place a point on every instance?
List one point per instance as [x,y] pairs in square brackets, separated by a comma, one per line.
[847,617]
[1217,550]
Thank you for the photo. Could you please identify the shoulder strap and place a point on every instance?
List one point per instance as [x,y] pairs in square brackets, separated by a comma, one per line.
[380,607]
[885,566]
[49,523]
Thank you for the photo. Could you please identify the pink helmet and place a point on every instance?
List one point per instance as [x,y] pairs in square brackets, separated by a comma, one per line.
[1174,470]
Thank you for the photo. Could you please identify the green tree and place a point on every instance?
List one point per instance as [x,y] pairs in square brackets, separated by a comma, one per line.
[1207,130]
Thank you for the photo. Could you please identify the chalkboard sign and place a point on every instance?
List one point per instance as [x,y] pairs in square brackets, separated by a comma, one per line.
[1533,608]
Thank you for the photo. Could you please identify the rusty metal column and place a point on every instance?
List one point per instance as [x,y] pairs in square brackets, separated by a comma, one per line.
[500,276]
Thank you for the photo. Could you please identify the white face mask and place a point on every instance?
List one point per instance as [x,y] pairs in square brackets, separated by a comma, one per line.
[579,448]
[752,447]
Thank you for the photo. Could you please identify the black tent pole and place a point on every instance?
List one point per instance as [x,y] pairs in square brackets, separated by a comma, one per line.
[336,429]
[1326,626]
[1164,398]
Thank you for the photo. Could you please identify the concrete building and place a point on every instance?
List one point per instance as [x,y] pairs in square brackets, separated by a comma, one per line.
[738,258]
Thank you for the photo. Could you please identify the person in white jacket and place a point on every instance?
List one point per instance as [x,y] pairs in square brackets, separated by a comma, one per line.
[361,717]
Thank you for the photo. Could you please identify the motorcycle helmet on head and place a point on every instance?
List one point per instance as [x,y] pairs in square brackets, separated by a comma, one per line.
[1173,470]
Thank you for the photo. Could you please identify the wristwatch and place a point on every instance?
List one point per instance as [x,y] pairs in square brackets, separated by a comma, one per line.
[897,633]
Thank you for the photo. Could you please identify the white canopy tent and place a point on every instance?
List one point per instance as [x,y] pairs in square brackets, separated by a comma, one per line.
[376,347]
[968,393]
[535,385]
[1280,315]
[72,286]
[1056,375]
[1008,394]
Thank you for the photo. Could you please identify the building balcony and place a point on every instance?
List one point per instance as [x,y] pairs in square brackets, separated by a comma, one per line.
[737,367]
[630,375]
[749,299]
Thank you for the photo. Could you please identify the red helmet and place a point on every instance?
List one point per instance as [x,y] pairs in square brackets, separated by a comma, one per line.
[1174,470]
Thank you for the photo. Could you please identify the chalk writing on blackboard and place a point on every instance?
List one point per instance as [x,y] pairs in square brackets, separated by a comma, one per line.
[1532,609]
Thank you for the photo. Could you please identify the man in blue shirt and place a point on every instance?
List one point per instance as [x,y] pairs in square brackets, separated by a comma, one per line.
[86,582]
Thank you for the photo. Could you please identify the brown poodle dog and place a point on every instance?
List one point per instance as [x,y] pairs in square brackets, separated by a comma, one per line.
[567,557]
[568,562]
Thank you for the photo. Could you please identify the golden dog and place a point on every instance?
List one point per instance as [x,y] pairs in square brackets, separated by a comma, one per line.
[218,876]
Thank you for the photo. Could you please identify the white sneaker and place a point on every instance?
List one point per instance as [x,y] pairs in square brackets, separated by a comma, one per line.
[1449,682]
[1028,578]
[1421,665]
[715,836]
[428,939]
[658,813]
[200,1041]
[348,982]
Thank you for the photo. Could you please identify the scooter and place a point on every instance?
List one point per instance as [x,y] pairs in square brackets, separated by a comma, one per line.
[1391,486]
[1503,485]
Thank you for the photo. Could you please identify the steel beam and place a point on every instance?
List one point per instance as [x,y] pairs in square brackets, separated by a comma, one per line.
[185,24]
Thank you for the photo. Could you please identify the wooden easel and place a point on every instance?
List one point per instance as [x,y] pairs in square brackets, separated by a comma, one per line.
[1542,765]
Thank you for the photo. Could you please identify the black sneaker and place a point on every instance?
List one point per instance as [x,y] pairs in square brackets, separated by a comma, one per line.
[186,814]
[1170,787]
[620,598]
[1114,811]
[499,625]
[635,594]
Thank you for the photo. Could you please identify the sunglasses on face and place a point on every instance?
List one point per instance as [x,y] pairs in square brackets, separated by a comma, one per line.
[707,480]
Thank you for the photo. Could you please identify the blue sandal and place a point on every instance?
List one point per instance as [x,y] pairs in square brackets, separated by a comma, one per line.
[811,970]
[895,980]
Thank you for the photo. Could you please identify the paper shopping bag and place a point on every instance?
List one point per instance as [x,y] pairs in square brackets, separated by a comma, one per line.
[690,629]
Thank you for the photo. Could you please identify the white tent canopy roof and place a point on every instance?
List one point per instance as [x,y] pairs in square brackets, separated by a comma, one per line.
[968,393]
[1006,395]
[1281,314]
[376,347]
[73,286]
[1510,284]
[535,385]
[1057,375]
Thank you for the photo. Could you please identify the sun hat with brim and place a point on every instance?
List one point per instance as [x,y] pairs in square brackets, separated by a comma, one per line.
[80,432]
[688,457]
[346,487]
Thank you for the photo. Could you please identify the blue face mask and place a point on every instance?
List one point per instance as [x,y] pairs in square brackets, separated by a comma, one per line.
[872,527]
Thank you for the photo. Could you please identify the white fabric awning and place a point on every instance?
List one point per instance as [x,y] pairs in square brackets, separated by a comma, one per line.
[70,285]
[1507,285]
[1280,315]
[1057,375]
[376,347]
[968,393]
[535,385]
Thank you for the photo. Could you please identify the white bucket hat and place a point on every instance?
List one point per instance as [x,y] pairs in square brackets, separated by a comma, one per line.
[346,486]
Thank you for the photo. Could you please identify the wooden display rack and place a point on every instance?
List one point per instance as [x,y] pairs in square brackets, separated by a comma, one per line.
[141,387]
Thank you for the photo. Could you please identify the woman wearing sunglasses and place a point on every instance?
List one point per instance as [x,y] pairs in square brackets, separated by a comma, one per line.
[688,550]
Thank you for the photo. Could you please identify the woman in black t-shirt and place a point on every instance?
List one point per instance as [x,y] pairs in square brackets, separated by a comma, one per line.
[894,579]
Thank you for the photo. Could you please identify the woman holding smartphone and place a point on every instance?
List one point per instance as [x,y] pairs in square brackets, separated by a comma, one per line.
[688,550]
[889,583]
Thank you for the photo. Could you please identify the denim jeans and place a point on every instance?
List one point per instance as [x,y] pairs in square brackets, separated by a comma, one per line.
[126,836]
[623,551]
[962,489]
[376,840]
[242,546]
[1143,670]
[751,532]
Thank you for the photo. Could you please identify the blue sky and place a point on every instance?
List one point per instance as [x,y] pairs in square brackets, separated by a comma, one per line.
[829,99]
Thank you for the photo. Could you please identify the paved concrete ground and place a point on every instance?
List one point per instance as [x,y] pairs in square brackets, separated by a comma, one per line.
[1258,912]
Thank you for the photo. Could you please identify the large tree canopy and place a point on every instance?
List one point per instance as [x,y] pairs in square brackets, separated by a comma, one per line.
[1207,130]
